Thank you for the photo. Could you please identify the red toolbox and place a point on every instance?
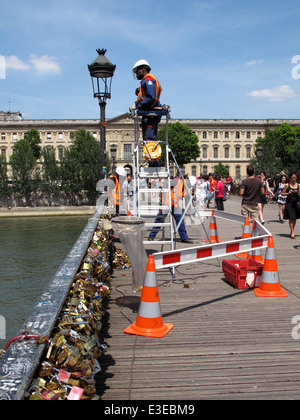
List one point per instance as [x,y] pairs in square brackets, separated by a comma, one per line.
[241,273]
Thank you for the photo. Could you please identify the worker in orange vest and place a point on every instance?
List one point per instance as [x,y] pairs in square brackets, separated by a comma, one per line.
[177,193]
[113,188]
[148,96]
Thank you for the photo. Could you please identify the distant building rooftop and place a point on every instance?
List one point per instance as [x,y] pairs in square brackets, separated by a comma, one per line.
[10,116]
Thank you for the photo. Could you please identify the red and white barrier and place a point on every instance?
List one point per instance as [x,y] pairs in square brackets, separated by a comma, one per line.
[207,252]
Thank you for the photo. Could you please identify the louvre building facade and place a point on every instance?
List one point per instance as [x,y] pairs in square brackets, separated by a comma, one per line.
[228,141]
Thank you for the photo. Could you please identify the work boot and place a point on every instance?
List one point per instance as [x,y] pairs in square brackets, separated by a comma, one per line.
[187,241]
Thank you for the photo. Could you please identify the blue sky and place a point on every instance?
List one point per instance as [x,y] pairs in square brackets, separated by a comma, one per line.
[214,59]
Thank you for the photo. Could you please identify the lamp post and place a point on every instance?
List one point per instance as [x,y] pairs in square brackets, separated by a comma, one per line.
[259,153]
[113,154]
[101,72]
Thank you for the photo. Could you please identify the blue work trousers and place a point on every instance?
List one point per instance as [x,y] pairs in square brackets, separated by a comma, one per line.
[160,219]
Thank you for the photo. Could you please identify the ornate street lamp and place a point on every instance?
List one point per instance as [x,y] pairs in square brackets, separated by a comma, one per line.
[259,154]
[113,154]
[101,72]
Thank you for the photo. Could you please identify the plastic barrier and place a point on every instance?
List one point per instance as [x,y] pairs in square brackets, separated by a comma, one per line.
[201,253]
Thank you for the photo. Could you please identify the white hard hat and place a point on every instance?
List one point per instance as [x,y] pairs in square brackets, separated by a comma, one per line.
[193,180]
[121,171]
[139,64]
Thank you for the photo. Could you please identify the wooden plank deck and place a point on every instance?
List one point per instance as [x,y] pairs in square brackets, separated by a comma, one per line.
[226,343]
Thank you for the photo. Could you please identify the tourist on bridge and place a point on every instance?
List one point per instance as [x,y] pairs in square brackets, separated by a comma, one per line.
[250,190]
[291,213]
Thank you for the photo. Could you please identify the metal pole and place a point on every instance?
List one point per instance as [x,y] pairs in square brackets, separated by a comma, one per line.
[102,140]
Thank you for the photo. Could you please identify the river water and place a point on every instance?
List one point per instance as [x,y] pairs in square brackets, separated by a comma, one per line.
[32,249]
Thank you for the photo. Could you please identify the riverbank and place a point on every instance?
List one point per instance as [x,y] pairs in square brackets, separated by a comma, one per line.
[47,211]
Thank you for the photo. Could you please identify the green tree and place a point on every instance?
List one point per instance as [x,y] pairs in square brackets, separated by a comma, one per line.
[33,138]
[5,191]
[87,150]
[221,169]
[50,171]
[182,141]
[280,149]
[23,163]
[70,173]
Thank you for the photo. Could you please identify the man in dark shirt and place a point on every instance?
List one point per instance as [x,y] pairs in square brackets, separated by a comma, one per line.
[250,189]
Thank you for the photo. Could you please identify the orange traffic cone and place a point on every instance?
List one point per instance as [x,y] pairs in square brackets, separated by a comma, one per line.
[270,285]
[255,254]
[213,230]
[246,234]
[149,322]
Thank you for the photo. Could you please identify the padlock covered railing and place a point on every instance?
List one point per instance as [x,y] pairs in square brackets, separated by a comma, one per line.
[20,361]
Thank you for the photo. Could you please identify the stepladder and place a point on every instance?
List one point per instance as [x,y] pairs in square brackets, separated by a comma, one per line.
[155,189]
[152,182]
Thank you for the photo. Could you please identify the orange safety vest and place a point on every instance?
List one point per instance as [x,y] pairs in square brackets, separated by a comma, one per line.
[142,94]
[177,192]
[114,193]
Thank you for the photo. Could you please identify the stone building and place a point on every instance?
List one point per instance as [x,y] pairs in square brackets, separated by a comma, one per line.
[230,141]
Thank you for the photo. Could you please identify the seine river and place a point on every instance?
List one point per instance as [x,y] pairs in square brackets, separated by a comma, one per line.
[31,249]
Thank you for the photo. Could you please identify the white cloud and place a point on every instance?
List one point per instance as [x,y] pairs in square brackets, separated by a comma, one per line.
[13,62]
[44,64]
[277,94]
[253,62]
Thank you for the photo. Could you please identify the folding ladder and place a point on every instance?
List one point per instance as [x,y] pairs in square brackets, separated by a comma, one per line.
[153,182]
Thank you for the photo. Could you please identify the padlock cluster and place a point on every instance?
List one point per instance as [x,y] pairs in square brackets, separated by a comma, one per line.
[70,362]
[121,260]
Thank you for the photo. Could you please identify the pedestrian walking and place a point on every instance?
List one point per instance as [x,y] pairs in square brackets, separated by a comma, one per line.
[281,200]
[263,198]
[250,189]
[291,213]
[219,193]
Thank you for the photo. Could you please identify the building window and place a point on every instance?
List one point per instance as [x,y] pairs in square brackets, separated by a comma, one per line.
[60,136]
[204,152]
[248,152]
[226,134]
[215,134]
[3,136]
[226,152]
[194,170]
[237,152]
[216,152]
[49,136]
[205,170]
[3,154]
[204,135]
[15,136]
[238,172]
[237,135]
[127,151]
[248,135]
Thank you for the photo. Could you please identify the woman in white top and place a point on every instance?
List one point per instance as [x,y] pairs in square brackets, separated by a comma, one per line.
[201,192]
